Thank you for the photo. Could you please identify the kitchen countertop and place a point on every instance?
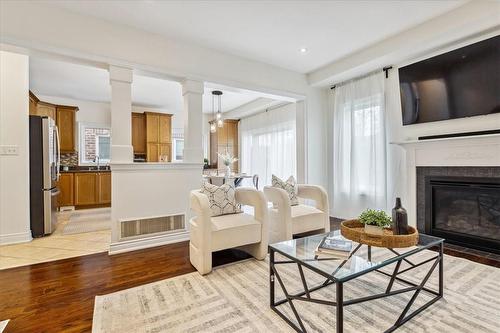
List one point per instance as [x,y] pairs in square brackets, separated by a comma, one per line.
[86,169]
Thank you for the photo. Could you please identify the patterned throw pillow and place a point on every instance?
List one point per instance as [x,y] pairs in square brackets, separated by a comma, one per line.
[221,199]
[290,186]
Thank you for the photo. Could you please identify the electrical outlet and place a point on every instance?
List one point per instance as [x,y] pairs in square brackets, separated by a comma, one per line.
[8,150]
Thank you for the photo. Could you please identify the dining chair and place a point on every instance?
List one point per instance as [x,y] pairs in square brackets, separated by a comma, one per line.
[255,180]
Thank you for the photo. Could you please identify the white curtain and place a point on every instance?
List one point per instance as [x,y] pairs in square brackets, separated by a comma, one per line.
[267,144]
[359,146]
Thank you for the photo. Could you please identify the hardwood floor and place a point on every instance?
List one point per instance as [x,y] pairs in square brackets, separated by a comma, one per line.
[59,296]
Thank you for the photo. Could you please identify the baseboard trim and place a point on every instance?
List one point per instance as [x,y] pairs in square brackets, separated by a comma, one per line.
[21,237]
[144,243]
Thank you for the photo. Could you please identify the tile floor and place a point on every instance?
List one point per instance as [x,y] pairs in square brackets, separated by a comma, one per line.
[54,247]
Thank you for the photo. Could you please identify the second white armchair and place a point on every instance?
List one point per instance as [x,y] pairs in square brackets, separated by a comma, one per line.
[286,220]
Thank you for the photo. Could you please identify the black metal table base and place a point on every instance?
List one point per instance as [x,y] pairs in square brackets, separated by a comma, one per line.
[339,302]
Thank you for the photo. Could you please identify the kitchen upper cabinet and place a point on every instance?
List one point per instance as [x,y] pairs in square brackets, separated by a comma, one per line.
[139,133]
[152,127]
[225,140]
[66,124]
[66,188]
[45,109]
[63,115]
[86,188]
[165,129]
[32,105]
[104,187]
[158,137]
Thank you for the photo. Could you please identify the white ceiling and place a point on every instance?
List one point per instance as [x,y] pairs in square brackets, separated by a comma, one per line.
[63,79]
[271,31]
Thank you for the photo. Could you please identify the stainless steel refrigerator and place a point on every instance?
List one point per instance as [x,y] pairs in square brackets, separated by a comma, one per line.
[44,174]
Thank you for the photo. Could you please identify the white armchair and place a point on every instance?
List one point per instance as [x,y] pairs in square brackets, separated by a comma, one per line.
[286,220]
[208,234]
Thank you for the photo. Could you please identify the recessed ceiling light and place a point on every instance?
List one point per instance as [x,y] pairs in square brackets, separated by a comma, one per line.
[303,50]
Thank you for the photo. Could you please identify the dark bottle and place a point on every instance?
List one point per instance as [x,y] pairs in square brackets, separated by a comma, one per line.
[399,219]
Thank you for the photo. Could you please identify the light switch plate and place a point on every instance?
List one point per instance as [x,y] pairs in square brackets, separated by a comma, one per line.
[8,150]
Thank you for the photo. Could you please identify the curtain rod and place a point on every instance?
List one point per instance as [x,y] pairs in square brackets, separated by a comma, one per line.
[384,69]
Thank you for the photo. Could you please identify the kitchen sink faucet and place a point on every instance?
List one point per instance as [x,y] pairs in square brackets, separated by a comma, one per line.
[97,159]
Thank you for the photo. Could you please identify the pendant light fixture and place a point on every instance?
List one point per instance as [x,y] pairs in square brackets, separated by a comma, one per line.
[217,120]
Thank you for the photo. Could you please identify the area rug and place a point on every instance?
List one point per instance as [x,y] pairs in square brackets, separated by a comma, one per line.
[235,298]
[3,325]
[88,220]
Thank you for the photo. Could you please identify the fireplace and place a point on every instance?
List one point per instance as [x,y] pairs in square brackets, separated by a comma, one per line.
[458,207]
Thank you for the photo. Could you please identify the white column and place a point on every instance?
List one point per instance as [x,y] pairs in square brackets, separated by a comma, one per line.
[120,79]
[192,91]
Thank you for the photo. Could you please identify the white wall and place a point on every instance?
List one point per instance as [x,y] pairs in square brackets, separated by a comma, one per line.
[14,130]
[159,182]
[89,112]
[316,141]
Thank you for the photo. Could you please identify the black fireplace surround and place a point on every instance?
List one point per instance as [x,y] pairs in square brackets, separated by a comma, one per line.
[461,205]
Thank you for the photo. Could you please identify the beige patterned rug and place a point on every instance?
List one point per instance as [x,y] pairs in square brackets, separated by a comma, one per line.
[88,220]
[235,298]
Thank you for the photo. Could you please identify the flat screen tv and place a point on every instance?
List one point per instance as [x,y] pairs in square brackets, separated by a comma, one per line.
[461,83]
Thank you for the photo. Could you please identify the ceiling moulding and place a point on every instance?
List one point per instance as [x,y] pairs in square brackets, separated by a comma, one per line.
[52,30]
[466,22]
[256,106]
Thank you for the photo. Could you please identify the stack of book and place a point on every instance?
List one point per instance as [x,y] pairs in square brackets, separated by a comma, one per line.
[334,246]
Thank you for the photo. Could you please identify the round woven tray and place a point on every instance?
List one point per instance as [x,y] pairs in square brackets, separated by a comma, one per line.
[355,231]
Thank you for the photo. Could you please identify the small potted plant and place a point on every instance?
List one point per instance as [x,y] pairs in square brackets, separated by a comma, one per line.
[375,221]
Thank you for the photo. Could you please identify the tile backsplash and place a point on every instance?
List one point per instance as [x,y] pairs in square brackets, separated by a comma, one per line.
[69,159]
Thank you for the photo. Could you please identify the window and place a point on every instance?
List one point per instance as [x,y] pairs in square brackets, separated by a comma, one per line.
[359,156]
[177,144]
[95,140]
[178,149]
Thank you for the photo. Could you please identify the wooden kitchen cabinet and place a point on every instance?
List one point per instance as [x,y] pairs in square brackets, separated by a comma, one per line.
[66,188]
[46,109]
[152,127]
[158,137]
[104,188]
[164,129]
[152,153]
[65,121]
[86,188]
[224,140]
[92,189]
[139,133]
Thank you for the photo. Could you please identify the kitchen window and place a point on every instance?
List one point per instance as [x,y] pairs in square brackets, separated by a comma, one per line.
[178,149]
[95,141]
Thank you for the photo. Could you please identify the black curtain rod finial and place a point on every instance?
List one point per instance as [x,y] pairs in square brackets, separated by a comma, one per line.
[385,69]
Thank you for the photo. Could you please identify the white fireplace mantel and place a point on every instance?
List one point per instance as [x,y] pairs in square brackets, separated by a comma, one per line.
[479,150]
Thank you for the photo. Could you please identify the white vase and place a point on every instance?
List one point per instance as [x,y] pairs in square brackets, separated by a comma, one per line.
[374,230]
[228,171]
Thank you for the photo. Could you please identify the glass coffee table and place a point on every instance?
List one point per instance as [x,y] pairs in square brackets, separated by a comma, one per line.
[301,252]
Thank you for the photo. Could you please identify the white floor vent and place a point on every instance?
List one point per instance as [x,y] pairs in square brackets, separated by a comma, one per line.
[152,226]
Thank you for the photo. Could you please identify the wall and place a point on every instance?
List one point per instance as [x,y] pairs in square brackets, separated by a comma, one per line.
[132,181]
[14,130]
[316,141]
